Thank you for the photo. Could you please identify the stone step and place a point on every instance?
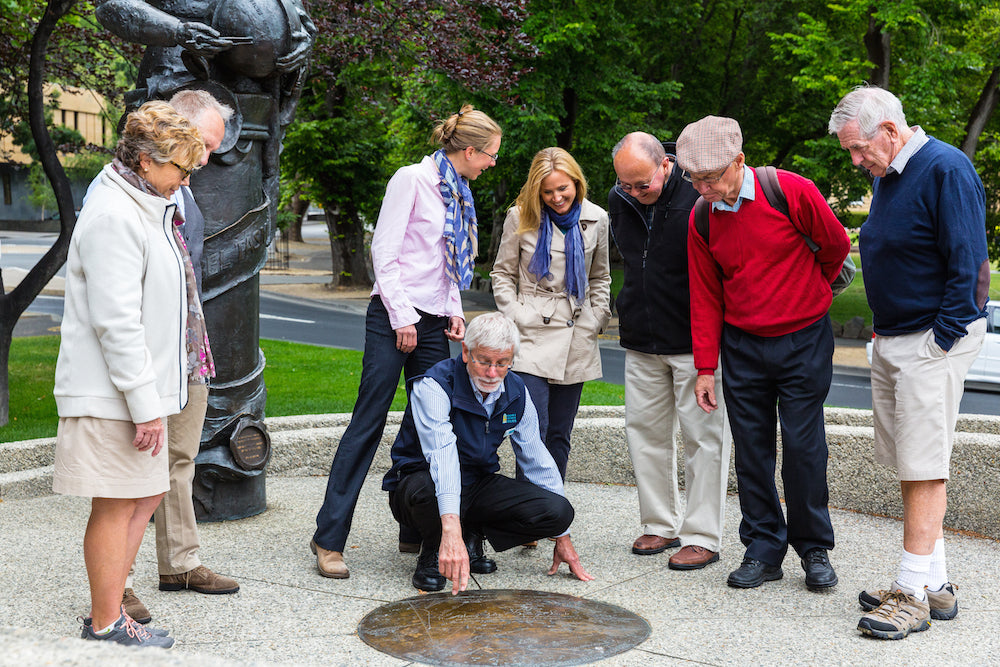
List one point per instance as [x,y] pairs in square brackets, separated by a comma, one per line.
[26,454]
[305,445]
[22,484]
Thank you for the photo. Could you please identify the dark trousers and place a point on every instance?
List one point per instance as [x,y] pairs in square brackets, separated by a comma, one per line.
[557,405]
[381,366]
[793,372]
[506,511]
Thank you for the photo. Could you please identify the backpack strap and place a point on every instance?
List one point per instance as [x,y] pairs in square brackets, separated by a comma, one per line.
[768,177]
[701,218]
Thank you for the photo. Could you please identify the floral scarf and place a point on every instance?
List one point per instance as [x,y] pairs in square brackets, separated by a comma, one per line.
[200,364]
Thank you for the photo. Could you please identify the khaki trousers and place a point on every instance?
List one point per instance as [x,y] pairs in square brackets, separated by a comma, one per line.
[176,529]
[659,395]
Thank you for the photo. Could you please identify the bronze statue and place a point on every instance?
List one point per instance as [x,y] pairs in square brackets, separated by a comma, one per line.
[252,55]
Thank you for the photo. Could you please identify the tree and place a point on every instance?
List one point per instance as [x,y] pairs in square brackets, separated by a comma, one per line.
[367,55]
[14,303]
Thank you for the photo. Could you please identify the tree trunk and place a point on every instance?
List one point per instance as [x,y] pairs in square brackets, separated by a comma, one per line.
[496,233]
[878,45]
[347,249]
[981,112]
[300,207]
[18,300]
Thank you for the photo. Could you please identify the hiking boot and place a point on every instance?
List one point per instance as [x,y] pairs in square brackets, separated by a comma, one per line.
[127,633]
[134,607]
[943,603]
[200,579]
[897,615]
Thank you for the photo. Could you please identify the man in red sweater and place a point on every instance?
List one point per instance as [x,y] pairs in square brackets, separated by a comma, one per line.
[760,296]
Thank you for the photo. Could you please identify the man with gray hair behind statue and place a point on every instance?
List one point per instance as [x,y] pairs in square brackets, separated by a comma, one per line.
[444,480]
[927,277]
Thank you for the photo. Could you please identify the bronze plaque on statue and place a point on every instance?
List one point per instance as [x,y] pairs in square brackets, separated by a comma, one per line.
[502,627]
[250,444]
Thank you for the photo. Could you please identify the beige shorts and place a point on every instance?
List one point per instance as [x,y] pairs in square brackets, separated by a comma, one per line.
[95,458]
[916,392]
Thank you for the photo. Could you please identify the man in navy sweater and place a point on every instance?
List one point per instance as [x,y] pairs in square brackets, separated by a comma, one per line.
[923,253]
[444,482]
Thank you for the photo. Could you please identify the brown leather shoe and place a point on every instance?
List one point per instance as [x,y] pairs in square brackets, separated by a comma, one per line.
[692,557]
[200,579]
[330,563]
[134,607]
[647,545]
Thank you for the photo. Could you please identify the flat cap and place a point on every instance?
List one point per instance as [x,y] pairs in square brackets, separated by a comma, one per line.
[709,144]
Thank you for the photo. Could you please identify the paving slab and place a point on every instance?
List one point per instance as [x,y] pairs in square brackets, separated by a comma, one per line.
[286,614]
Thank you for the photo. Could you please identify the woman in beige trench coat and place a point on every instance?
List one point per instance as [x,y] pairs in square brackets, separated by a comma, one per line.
[553,278]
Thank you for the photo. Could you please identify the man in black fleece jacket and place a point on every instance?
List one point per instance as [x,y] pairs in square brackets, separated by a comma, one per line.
[649,209]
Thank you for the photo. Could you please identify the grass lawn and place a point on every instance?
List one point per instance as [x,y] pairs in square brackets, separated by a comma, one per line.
[301,380]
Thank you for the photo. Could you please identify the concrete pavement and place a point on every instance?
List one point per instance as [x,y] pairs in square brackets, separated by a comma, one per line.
[285,613]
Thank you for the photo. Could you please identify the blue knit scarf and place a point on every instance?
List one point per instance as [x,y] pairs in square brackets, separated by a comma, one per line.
[576,276]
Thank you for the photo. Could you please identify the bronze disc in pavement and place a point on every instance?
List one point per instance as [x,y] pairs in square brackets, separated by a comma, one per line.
[502,627]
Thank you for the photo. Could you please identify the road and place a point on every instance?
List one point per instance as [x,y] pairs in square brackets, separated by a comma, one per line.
[335,325]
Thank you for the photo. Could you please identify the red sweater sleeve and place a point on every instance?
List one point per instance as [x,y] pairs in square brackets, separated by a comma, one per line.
[706,287]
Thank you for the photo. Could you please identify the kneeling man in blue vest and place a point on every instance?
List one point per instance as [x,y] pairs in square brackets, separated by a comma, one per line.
[444,480]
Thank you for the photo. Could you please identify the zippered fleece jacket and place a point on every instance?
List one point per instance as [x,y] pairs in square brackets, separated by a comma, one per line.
[654,303]
[123,351]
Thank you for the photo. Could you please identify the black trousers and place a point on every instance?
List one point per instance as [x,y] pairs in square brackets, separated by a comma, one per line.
[506,511]
[792,372]
[380,369]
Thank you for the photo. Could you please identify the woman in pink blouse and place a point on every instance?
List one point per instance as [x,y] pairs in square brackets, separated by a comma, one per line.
[423,249]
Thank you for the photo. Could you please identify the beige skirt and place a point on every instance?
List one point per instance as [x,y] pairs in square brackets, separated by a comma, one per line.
[95,458]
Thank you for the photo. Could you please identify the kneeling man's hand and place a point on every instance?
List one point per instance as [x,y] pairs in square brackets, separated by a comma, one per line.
[565,553]
[453,557]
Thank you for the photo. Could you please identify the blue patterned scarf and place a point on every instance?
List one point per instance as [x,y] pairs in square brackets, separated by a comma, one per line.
[461,231]
[576,276]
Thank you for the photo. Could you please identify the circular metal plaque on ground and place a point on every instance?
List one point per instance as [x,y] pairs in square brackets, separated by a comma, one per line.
[498,627]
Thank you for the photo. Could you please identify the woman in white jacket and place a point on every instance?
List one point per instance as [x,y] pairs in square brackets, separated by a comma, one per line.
[122,365]
[552,277]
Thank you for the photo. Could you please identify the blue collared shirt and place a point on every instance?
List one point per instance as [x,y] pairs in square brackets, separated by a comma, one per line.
[431,409]
[747,191]
[908,150]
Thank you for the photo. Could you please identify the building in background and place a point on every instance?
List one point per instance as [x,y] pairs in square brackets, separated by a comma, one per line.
[81,110]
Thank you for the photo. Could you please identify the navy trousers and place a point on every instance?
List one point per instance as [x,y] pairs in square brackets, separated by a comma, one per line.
[506,511]
[557,405]
[381,366]
[792,372]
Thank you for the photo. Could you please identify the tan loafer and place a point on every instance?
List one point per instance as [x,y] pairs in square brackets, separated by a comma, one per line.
[330,563]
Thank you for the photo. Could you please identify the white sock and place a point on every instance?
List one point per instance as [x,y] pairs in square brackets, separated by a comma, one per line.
[109,628]
[938,575]
[913,570]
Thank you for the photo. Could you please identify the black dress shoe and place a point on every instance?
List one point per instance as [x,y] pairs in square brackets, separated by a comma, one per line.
[819,572]
[752,573]
[478,562]
[427,577]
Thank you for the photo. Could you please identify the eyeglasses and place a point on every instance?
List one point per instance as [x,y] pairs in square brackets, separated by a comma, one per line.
[641,188]
[707,180]
[184,172]
[485,364]
[492,156]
